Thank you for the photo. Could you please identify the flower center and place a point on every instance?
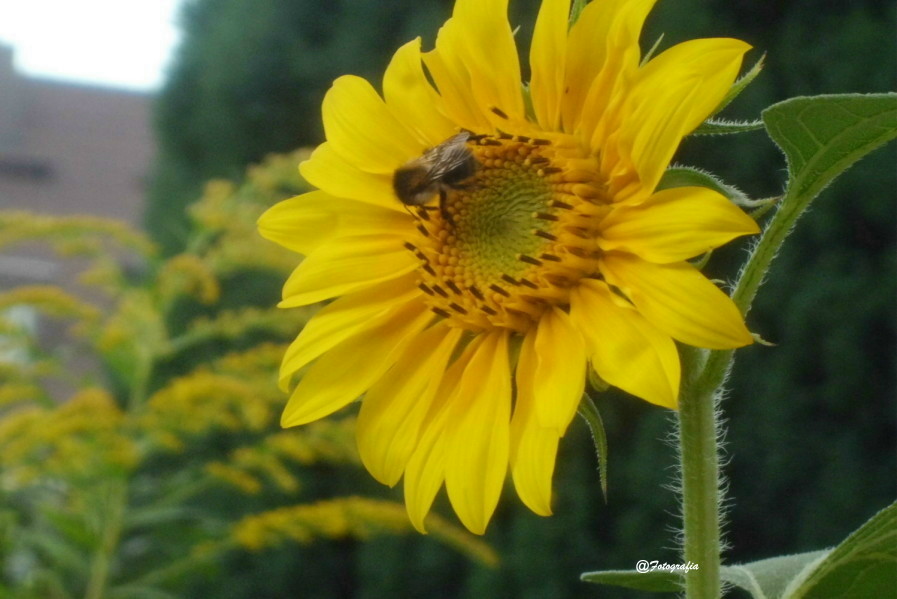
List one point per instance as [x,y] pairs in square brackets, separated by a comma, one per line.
[512,239]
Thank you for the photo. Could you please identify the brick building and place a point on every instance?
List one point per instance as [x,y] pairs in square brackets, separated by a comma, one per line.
[68,148]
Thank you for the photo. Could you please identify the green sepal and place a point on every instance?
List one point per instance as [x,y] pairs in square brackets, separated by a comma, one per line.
[650,53]
[689,176]
[724,127]
[592,416]
[740,85]
[575,11]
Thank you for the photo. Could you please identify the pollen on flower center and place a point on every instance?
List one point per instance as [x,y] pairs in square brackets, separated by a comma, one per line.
[512,239]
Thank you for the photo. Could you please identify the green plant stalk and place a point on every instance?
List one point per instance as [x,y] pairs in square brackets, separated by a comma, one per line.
[698,427]
[700,476]
[113,519]
[698,431]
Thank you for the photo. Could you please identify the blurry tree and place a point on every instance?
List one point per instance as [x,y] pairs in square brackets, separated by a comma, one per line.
[166,474]
[248,79]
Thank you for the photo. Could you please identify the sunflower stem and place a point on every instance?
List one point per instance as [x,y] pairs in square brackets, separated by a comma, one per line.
[700,482]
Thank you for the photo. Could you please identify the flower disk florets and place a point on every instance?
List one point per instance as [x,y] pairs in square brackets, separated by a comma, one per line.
[511,240]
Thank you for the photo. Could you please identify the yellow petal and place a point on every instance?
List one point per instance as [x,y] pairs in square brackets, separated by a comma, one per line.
[425,471]
[303,223]
[363,130]
[410,96]
[679,301]
[533,447]
[344,318]
[560,370]
[330,172]
[344,265]
[607,91]
[300,224]
[453,81]
[626,350]
[645,144]
[603,27]
[548,55]
[345,372]
[717,60]
[487,48]
[394,408]
[477,434]
[674,225]
[672,94]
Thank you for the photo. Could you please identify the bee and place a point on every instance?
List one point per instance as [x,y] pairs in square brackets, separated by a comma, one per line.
[438,170]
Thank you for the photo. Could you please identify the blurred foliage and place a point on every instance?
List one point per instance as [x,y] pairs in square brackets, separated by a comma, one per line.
[811,421]
[156,474]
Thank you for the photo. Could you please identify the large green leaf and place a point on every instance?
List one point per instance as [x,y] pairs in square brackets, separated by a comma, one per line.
[768,578]
[863,565]
[824,135]
[821,136]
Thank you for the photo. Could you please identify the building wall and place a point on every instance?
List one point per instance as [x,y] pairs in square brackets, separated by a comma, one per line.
[66,149]
[72,149]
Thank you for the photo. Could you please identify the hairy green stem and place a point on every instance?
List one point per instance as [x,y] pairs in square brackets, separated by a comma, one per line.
[698,428]
[700,472]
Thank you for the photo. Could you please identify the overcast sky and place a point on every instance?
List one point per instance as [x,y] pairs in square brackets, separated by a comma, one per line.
[120,43]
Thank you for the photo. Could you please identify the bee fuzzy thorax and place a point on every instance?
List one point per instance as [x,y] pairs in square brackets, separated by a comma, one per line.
[438,169]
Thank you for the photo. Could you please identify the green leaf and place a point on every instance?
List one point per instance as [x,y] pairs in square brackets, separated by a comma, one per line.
[864,565]
[724,127]
[658,581]
[768,578]
[823,136]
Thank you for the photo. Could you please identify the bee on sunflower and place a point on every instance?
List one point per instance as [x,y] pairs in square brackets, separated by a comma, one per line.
[486,243]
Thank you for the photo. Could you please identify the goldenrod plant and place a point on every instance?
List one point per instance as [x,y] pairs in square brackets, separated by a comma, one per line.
[161,459]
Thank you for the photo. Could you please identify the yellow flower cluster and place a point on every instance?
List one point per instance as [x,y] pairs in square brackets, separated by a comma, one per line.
[346,517]
[85,439]
[226,213]
[189,274]
[50,301]
[192,397]
[71,234]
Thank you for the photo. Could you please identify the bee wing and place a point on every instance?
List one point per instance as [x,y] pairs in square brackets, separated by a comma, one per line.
[448,155]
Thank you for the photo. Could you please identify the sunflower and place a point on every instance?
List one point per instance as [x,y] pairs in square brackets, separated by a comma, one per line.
[467,322]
